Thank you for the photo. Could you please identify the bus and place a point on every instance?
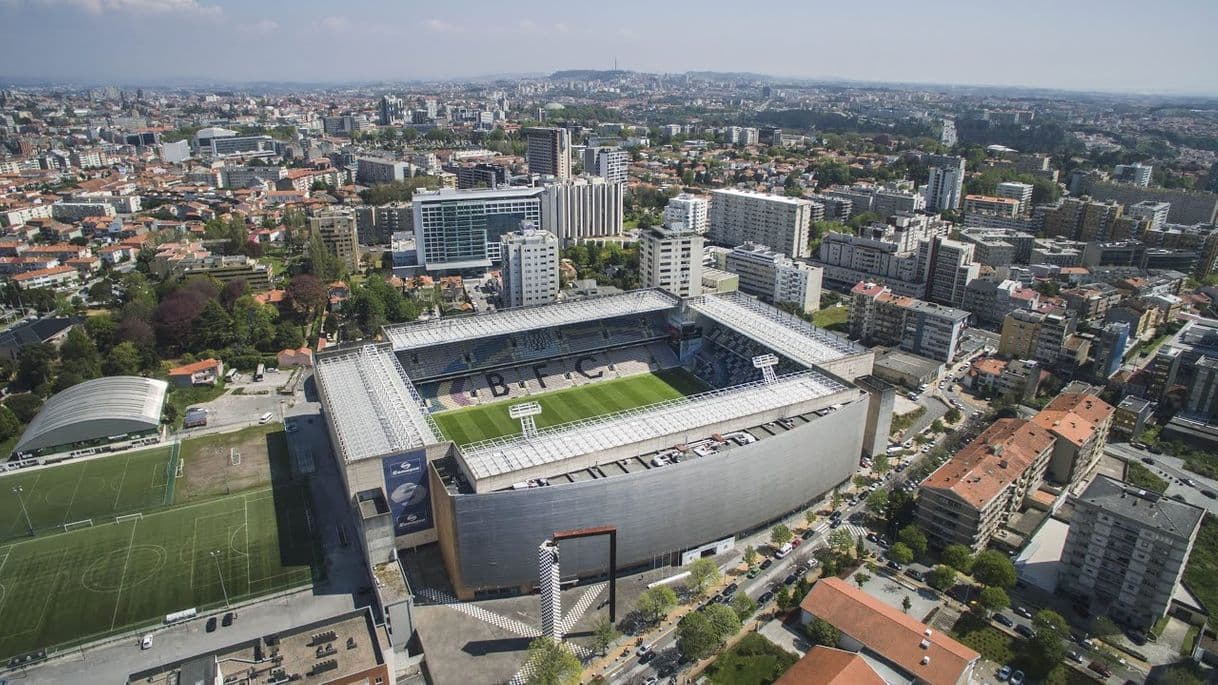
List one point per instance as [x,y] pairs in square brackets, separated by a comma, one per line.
[258,372]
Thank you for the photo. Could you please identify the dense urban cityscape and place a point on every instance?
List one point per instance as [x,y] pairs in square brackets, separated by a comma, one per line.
[603,375]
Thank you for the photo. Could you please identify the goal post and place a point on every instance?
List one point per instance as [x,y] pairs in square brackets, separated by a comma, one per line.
[137,516]
[76,525]
[234,457]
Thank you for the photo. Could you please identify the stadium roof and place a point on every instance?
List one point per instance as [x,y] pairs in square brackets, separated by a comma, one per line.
[372,404]
[425,333]
[500,456]
[784,333]
[96,409]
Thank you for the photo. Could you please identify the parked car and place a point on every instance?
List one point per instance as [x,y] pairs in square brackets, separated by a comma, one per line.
[791,579]
[765,597]
[1210,494]
[1017,678]
[731,589]
[228,619]
[1147,460]
[914,573]
[211,624]
[766,564]
[146,641]
[808,534]
[1136,637]
[1075,657]
[1003,619]
[1101,668]
[1004,673]
[893,565]
[1025,631]
[1023,612]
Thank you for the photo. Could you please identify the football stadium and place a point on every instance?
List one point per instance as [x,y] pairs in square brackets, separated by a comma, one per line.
[682,423]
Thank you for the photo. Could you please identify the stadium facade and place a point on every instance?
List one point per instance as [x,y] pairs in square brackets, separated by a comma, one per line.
[677,479]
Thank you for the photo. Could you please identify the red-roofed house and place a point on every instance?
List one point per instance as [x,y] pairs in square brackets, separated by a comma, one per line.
[877,631]
[203,372]
[54,277]
[1081,423]
[300,357]
[829,666]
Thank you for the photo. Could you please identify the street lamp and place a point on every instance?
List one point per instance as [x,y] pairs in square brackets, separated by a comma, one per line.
[215,555]
[17,490]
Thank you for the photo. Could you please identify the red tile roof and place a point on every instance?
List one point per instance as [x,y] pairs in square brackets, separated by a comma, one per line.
[829,666]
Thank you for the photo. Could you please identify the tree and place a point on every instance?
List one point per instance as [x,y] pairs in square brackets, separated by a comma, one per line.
[101,291]
[703,573]
[552,663]
[906,604]
[24,405]
[994,599]
[993,568]
[900,553]
[822,632]
[941,577]
[861,578]
[655,603]
[603,635]
[750,556]
[723,619]
[743,606]
[124,360]
[953,415]
[879,464]
[780,535]
[835,499]
[696,637]
[914,538]
[232,290]
[9,424]
[841,541]
[34,366]
[79,355]
[937,426]
[212,329]
[958,557]
[784,599]
[1049,631]
[1104,627]
[809,517]
[305,293]
[878,501]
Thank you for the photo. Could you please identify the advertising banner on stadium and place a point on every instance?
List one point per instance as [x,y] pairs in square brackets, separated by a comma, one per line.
[409,500]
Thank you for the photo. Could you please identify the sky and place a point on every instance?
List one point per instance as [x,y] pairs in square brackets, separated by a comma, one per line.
[1163,46]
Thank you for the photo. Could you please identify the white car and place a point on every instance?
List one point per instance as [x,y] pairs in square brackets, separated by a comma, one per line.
[146,641]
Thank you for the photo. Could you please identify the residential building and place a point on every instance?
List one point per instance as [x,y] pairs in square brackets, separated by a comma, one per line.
[610,163]
[902,647]
[878,316]
[1137,173]
[830,666]
[692,211]
[947,267]
[1108,350]
[548,152]
[778,222]
[55,277]
[392,110]
[1129,418]
[998,247]
[1035,335]
[530,267]
[375,225]
[243,146]
[944,187]
[973,494]
[670,258]
[947,134]
[1187,206]
[1017,191]
[1152,212]
[257,276]
[988,204]
[891,253]
[374,170]
[337,230]
[1087,219]
[1080,422]
[885,200]
[775,277]
[1011,378]
[588,207]
[460,229]
[479,175]
[49,329]
[203,372]
[1057,252]
[1126,551]
[990,300]
[1091,302]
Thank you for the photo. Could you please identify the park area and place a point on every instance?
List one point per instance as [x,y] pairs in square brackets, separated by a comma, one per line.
[483,422]
[120,541]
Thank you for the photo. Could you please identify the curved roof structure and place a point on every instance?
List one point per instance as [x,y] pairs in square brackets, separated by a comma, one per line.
[96,409]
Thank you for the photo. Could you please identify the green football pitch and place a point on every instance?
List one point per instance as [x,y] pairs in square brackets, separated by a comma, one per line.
[486,421]
[128,558]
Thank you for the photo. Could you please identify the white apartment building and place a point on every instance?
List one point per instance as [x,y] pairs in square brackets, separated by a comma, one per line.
[671,259]
[1137,173]
[692,211]
[990,204]
[778,222]
[773,276]
[609,163]
[944,189]
[590,207]
[1154,213]
[530,267]
[1017,191]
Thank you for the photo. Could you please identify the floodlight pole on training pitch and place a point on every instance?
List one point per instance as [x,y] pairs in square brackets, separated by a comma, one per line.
[17,490]
[524,412]
[766,362]
[215,556]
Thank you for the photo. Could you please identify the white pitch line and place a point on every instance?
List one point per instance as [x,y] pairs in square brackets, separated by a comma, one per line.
[123,578]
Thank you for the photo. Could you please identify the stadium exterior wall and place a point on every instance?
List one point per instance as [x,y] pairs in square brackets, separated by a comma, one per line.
[489,540]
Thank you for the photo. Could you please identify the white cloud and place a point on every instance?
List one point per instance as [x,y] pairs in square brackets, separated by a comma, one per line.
[259,28]
[438,26]
[334,24]
[137,6]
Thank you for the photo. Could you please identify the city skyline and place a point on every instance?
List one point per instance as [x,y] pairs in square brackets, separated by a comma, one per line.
[938,42]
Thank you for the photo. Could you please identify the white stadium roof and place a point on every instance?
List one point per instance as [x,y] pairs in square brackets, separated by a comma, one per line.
[96,409]
[410,336]
[784,333]
[372,404]
[500,456]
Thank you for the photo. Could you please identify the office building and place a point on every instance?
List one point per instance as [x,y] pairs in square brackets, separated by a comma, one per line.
[988,204]
[530,267]
[670,258]
[1126,551]
[224,268]
[588,207]
[1014,190]
[691,211]
[1137,173]
[944,187]
[239,146]
[880,317]
[775,277]
[461,229]
[780,223]
[337,229]
[1152,212]
[548,152]
[375,225]
[883,200]
[480,175]
[947,267]
[609,163]
[1057,252]
[973,494]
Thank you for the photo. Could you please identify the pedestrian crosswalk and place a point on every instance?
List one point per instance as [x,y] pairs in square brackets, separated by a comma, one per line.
[580,607]
[509,624]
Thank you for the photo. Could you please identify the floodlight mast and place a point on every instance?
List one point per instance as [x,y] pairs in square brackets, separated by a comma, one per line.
[524,412]
[766,362]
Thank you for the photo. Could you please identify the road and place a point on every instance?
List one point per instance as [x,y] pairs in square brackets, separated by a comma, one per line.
[1172,470]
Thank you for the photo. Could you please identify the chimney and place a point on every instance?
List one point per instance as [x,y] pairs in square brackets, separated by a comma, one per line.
[925,660]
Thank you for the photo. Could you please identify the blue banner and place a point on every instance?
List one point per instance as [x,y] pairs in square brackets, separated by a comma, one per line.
[409,500]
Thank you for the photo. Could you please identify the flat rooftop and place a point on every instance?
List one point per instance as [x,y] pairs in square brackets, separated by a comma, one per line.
[410,336]
[553,445]
[786,334]
[371,403]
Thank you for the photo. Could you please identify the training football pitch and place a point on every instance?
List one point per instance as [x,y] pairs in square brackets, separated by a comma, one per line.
[486,421]
[129,556]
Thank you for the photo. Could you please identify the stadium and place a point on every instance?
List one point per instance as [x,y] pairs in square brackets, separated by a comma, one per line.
[683,423]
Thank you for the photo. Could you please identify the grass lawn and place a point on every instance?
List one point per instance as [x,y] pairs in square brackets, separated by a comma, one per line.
[91,489]
[992,643]
[208,471]
[486,421]
[833,318]
[181,398]
[1144,478]
[752,661]
[1201,573]
[115,575]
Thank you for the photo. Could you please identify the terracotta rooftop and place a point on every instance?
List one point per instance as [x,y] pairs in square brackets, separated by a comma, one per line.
[188,369]
[1074,417]
[928,655]
[829,666]
[986,466]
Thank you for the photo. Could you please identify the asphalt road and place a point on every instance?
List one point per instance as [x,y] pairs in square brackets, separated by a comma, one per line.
[1172,470]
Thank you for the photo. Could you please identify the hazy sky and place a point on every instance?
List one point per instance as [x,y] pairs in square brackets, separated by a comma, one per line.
[1164,46]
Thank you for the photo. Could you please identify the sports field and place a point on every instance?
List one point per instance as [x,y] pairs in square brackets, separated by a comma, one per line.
[486,421]
[128,557]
